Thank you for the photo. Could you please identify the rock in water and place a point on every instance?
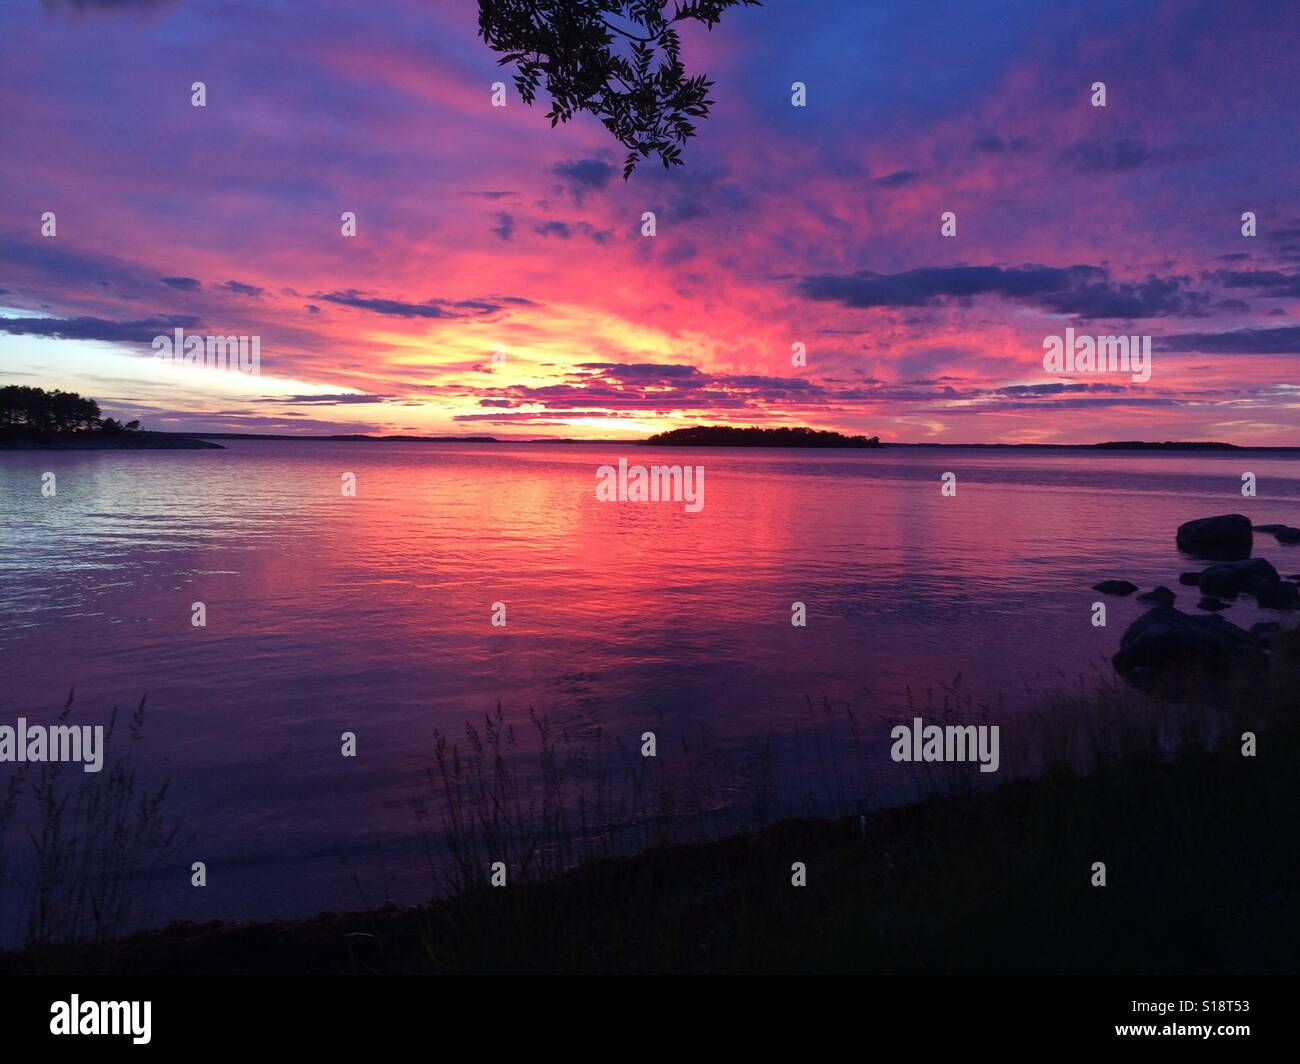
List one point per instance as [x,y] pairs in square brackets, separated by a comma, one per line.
[1211,604]
[1158,596]
[1115,587]
[1172,652]
[1226,538]
[1278,595]
[1229,579]
[1265,631]
[1288,535]
[1190,579]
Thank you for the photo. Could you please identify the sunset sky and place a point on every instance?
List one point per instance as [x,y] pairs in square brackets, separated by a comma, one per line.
[483,228]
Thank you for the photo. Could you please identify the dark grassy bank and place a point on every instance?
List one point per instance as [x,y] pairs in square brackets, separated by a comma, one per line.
[1203,875]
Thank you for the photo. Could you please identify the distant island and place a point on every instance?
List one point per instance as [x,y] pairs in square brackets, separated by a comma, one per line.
[1136,445]
[1122,445]
[726,436]
[34,419]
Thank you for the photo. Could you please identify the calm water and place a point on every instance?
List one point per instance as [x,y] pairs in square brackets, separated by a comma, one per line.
[372,614]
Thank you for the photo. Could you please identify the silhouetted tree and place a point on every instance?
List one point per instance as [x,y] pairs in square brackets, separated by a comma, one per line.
[619,60]
[40,412]
[732,436]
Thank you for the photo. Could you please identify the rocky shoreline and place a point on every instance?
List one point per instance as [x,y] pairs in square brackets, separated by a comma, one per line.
[1167,650]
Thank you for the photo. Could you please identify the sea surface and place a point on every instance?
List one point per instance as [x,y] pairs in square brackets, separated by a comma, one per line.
[372,614]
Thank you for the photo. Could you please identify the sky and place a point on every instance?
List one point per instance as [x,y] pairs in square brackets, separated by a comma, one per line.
[481,230]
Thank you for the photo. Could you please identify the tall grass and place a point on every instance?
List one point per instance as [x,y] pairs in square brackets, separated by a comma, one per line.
[576,795]
[89,839]
[1096,770]
[573,795]
[973,878]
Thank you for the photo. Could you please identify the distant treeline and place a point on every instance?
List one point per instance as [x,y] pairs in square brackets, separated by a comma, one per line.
[726,436]
[1138,445]
[35,412]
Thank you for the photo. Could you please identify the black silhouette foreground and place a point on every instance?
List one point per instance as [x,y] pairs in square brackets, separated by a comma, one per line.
[995,882]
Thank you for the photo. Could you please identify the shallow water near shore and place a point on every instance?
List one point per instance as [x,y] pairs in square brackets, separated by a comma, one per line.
[372,614]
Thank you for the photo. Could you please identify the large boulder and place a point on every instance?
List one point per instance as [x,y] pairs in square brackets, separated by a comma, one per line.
[1170,651]
[1229,579]
[1278,595]
[1265,631]
[1226,538]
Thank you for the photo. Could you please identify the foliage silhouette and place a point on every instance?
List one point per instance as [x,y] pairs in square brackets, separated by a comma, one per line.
[730,436]
[619,60]
[41,412]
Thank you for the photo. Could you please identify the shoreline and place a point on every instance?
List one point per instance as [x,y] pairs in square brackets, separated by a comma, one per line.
[1141,447]
[126,441]
[704,439]
[997,881]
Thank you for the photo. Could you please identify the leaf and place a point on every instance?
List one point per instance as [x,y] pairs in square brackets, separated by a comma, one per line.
[618,60]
